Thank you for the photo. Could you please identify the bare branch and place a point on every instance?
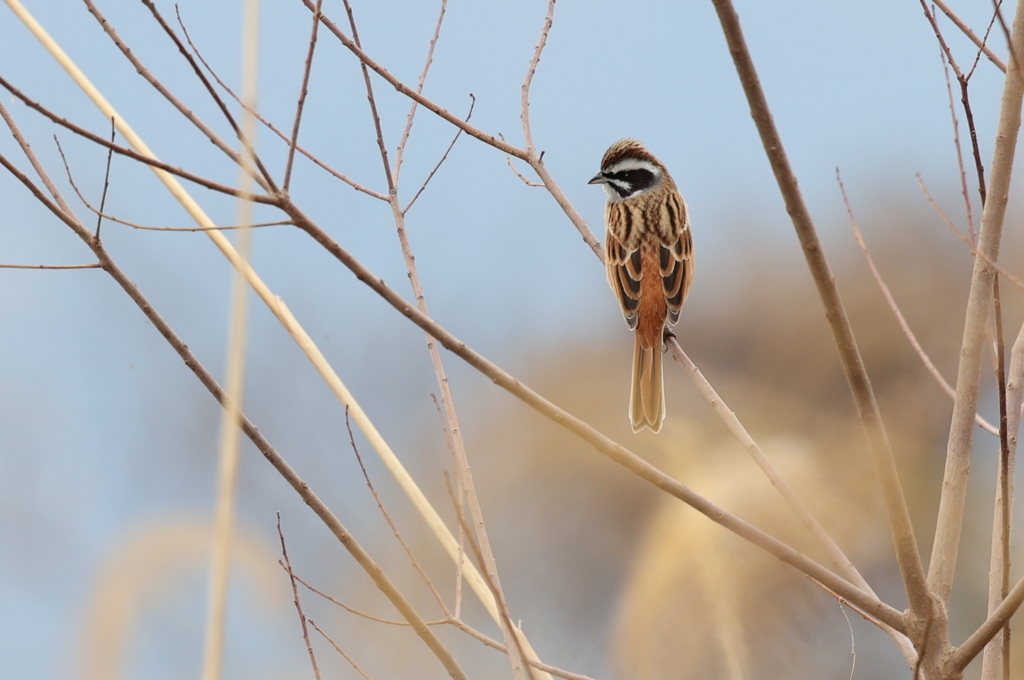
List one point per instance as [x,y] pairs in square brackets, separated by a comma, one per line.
[265,181]
[400,151]
[971,34]
[412,94]
[904,326]
[270,126]
[302,98]
[525,114]
[853,364]
[391,522]
[437,167]
[94,265]
[338,649]
[839,559]
[287,564]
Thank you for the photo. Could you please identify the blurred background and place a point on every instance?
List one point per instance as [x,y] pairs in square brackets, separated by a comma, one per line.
[108,443]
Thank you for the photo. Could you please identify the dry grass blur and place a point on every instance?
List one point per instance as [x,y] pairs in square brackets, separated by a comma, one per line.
[693,600]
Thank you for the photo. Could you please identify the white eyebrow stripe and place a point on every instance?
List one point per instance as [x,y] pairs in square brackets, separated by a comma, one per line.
[634,164]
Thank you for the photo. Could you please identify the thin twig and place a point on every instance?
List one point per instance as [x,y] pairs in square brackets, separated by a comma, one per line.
[400,150]
[273,128]
[191,61]
[287,564]
[959,151]
[106,179]
[963,237]
[364,615]
[94,265]
[391,522]
[894,307]
[338,649]
[264,179]
[971,34]
[303,91]
[526,181]
[144,227]
[437,167]
[528,80]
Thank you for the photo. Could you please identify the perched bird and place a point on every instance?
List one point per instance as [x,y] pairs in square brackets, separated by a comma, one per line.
[649,255]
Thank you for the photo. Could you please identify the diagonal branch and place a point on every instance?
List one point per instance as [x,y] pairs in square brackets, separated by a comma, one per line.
[853,365]
[613,450]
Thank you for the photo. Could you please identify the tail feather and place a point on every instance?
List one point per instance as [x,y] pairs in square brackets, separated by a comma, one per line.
[646,399]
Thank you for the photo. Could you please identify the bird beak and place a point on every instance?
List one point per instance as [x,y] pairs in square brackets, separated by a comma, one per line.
[599,178]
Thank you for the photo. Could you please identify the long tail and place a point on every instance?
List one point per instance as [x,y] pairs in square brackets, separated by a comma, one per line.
[647,398]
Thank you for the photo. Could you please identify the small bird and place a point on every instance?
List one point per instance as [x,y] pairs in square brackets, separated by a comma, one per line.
[649,256]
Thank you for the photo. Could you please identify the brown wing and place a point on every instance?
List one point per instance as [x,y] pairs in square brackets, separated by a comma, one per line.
[675,255]
[624,274]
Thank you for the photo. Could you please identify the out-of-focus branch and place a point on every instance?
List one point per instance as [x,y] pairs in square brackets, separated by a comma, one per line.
[961,434]
[902,529]
[996,661]
[904,326]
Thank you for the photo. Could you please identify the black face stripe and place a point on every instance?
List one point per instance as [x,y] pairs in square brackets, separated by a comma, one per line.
[629,182]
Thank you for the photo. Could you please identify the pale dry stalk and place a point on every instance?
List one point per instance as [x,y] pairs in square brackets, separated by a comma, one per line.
[961,435]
